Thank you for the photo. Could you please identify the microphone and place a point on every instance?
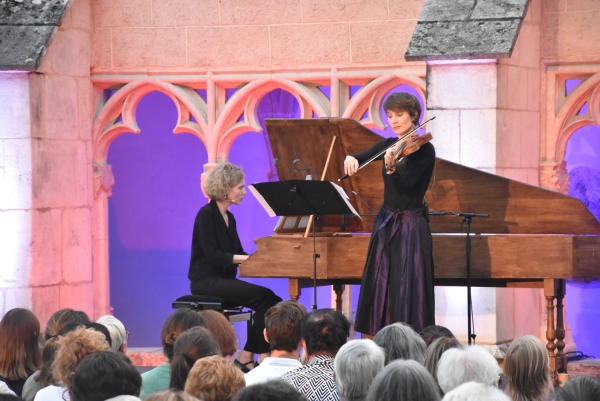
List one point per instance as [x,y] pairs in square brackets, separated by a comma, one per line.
[296,161]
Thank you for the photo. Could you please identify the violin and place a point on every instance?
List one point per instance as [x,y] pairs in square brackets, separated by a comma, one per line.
[410,146]
[407,146]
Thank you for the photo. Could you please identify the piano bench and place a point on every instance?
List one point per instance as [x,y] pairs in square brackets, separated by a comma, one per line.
[210,302]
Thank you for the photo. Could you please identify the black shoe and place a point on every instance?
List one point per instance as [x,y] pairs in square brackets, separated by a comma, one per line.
[243,366]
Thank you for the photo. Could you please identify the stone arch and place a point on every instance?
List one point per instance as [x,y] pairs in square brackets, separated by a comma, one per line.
[553,172]
[245,101]
[124,103]
[369,97]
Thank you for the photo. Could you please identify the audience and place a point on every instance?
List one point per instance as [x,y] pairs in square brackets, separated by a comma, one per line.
[105,375]
[283,333]
[118,335]
[472,391]
[526,370]
[356,365]
[192,344]
[273,390]
[400,341]
[431,333]
[581,388]
[434,353]
[73,347]
[403,380]
[214,378]
[469,364]
[324,332]
[171,395]
[20,356]
[221,329]
[5,390]
[157,379]
[57,322]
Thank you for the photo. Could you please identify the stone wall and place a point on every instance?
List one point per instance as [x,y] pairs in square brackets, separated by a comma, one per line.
[252,34]
[61,185]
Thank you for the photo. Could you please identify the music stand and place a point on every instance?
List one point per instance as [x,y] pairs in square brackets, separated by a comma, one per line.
[303,197]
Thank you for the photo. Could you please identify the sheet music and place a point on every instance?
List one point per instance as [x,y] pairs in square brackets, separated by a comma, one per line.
[262,201]
[346,199]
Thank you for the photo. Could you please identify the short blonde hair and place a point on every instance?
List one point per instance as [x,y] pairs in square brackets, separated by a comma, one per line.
[73,347]
[221,179]
[526,367]
[214,378]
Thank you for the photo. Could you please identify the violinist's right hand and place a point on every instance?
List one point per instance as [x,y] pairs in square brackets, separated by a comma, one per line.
[350,165]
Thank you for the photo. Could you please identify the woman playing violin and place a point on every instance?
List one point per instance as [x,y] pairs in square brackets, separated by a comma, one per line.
[397,283]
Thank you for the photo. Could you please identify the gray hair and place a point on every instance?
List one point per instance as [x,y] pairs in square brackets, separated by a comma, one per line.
[473,391]
[435,350]
[470,364]
[526,370]
[580,388]
[400,341]
[356,364]
[403,381]
[118,335]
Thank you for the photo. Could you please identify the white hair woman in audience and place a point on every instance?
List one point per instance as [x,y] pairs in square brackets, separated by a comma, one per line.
[356,365]
[400,341]
[580,388]
[434,353]
[472,391]
[526,370]
[118,335]
[403,381]
[469,364]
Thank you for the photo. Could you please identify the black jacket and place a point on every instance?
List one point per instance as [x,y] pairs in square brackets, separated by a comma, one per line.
[213,245]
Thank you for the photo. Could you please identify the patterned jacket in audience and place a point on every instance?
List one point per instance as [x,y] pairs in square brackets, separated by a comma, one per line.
[314,380]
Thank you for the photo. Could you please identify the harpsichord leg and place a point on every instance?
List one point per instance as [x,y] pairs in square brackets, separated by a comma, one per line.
[339,291]
[294,289]
[561,359]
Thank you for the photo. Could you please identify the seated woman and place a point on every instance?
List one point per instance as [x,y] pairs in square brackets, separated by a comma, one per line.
[217,251]
[20,356]
[526,370]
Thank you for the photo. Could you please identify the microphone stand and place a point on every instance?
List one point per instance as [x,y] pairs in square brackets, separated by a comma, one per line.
[466,221]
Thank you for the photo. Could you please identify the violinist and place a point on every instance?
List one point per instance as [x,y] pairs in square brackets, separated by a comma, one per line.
[397,283]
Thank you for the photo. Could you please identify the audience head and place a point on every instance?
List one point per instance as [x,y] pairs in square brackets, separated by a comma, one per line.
[19,342]
[468,364]
[214,378]
[526,370]
[171,395]
[105,375]
[580,388]
[403,380]
[221,329]
[73,347]
[400,341]
[431,333]
[192,344]
[178,322]
[64,318]
[356,365]
[118,335]
[282,325]
[472,391]
[100,328]
[273,390]
[435,350]
[324,332]
[222,179]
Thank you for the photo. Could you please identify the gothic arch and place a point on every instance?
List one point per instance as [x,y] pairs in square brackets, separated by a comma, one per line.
[369,97]
[124,103]
[245,101]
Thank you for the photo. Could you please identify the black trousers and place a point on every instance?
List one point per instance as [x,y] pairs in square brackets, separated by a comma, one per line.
[241,293]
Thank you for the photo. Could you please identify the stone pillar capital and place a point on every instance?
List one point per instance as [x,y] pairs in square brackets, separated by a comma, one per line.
[103,179]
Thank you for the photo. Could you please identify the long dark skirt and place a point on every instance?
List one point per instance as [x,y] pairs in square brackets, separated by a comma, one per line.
[397,283]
